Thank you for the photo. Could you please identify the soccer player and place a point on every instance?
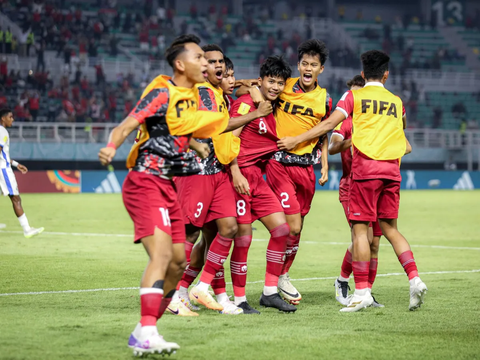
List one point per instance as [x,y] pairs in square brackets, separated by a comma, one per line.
[341,142]
[8,183]
[378,144]
[255,199]
[301,106]
[166,118]
[209,197]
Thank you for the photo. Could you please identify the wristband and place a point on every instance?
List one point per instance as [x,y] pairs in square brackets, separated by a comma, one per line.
[14,163]
[112,145]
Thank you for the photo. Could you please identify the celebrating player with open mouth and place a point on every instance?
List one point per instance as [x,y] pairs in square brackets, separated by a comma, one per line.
[166,118]
[378,144]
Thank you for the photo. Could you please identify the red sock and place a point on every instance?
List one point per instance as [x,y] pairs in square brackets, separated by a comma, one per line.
[150,300]
[238,264]
[216,256]
[189,276]
[292,248]
[372,271]
[360,274]
[346,265]
[188,251]
[276,253]
[218,282]
[163,305]
[408,263]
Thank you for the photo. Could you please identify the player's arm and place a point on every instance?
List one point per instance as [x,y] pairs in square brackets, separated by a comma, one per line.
[288,143]
[240,183]
[202,150]
[245,83]
[23,169]
[117,138]
[408,149]
[343,110]
[338,144]
[324,160]
[264,109]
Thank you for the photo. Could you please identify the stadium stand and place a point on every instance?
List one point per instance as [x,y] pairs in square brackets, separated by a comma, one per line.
[83,59]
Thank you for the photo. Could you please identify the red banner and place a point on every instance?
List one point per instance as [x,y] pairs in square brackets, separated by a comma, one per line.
[52,181]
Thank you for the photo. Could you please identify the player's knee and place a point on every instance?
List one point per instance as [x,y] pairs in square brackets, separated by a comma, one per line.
[177,267]
[229,230]
[295,229]
[16,200]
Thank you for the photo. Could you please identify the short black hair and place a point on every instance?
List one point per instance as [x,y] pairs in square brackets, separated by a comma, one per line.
[313,47]
[357,80]
[178,46]
[275,66]
[4,111]
[375,63]
[228,64]
[211,47]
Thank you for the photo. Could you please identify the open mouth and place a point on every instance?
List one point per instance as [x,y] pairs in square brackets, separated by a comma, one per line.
[219,75]
[205,74]
[307,77]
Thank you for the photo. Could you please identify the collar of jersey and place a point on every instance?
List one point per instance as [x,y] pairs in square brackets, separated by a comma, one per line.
[374,83]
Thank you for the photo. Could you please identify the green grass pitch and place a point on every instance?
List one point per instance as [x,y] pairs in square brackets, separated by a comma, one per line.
[75,254]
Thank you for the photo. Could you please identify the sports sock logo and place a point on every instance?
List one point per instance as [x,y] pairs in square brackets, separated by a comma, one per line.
[464,182]
[109,185]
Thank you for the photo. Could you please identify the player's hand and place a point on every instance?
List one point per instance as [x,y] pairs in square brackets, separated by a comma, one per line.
[106,155]
[265,108]
[324,179]
[256,95]
[287,143]
[248,82]
[203,151]
[23,169]
[240,183]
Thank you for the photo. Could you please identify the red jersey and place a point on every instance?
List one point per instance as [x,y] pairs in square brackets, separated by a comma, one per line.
[363,167]
[345,131]
[258,138]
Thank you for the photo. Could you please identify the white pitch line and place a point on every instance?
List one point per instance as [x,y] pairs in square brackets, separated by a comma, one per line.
[248,282]
[256,240]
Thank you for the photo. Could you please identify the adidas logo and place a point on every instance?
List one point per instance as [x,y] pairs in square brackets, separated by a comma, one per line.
[109,185]
[464,183]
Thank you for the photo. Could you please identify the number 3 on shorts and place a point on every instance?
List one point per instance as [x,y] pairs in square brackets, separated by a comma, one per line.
[165,217]
[199,210]
[241,207]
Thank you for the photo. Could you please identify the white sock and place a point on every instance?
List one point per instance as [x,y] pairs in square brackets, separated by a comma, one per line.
[203,286]
[223,297]
[136,332]
[240,299]
[183,292]
[269,290]
[361,292]
[24,222]
[146,332]
[412,282]
[341,278]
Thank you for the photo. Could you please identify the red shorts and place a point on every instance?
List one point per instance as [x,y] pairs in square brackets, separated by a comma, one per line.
[377,231]
[294,186]
[152,203]
[261,202]
[205,198]
[374,199]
